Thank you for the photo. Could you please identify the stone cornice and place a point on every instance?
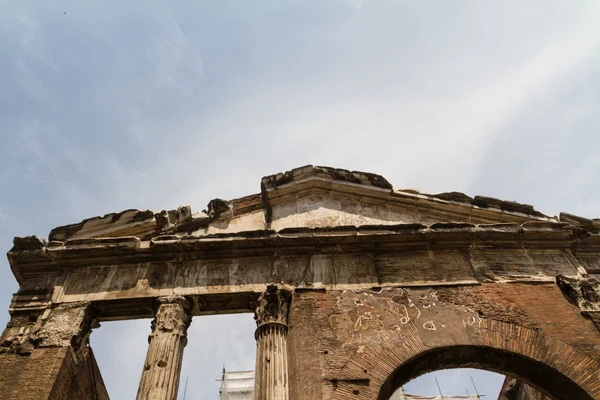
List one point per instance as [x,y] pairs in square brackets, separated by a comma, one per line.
[32,255]
[368,188]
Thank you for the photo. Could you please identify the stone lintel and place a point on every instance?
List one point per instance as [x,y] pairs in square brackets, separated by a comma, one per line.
[226,285]
[51,258]
[31,301]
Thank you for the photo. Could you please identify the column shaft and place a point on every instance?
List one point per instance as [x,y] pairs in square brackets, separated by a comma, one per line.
[160,378]
[271,381]
[271,362]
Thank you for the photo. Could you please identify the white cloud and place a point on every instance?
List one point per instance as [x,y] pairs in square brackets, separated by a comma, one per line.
[155,105]
[31,83]
[120,350]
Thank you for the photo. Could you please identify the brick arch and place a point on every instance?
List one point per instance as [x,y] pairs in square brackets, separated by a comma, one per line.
[552,366]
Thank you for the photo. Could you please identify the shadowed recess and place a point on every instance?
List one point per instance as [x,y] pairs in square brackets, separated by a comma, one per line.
[542,377]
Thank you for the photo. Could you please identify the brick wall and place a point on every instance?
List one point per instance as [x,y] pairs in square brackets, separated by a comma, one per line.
[13,366]
[329,331]
[88,383]
[50,373]
[537,306]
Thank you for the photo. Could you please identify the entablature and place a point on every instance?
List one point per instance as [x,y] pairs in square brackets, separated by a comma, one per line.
[311,228]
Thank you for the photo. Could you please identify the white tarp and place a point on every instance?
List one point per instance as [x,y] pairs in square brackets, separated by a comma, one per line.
[444,397]
[237,385]
[400,395]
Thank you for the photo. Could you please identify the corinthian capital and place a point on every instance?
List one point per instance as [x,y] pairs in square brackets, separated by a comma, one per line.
[172,315]
[272,306]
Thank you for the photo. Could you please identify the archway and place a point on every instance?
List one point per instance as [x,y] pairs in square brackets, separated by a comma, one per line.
[456,382]
[549,365]
[539,375]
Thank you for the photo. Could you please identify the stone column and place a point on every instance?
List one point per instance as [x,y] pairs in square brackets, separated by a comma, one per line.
[271,314]
[160,378]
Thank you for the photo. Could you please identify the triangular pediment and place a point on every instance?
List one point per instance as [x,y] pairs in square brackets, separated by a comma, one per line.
[322,197]
[314,197]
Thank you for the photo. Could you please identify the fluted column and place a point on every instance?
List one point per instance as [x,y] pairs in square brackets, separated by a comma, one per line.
[160,378]
[271,314]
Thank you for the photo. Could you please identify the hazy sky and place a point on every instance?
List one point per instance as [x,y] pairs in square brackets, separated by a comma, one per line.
[112,105]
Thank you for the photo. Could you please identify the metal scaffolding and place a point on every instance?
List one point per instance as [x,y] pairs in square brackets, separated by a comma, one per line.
[237,385]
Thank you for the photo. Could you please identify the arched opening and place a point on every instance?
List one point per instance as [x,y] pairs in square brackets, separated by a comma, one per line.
[454,383]
[536,374]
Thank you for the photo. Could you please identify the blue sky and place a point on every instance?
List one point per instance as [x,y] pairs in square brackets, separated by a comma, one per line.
[112,105]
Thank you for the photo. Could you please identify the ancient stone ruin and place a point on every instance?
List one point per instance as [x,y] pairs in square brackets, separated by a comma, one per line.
[356,287]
